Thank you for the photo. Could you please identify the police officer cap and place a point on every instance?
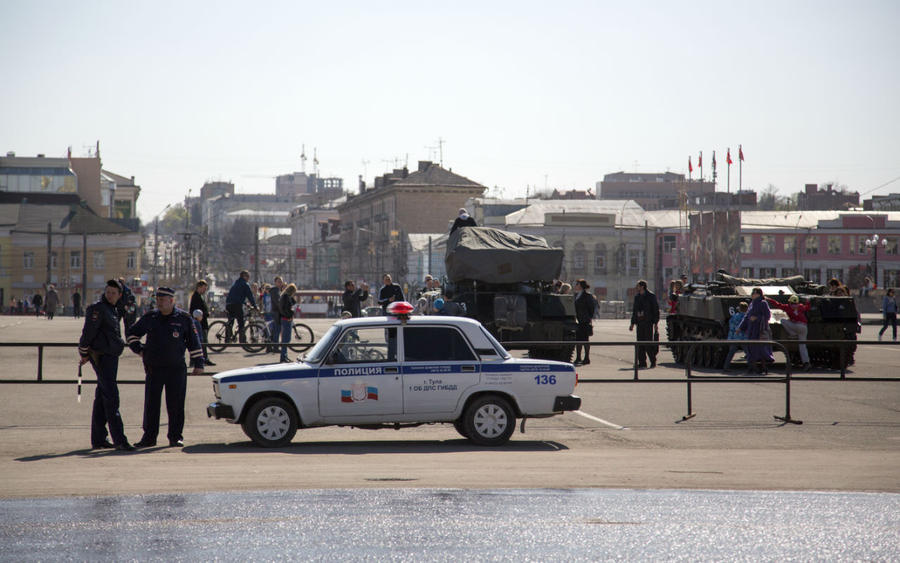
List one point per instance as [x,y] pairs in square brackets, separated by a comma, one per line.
[165,292]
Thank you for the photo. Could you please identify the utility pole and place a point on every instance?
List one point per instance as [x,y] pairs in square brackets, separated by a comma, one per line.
[84,265]
[256,253]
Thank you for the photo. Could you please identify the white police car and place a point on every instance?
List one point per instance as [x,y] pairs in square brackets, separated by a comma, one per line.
[393,372]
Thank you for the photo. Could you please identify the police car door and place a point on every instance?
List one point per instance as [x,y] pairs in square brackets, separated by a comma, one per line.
[438,366]
[361,374]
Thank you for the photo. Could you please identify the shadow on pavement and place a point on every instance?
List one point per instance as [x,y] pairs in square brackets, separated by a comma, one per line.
[361,448]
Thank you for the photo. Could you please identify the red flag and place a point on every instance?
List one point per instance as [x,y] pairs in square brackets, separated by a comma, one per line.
[700,160]
[728,157]
[690,168]
[714,160]
[740,153]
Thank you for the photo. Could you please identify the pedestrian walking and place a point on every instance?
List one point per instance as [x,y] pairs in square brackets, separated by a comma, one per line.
[354,297]
[52,303]
[389,293]
[756,326]
[198,303]
[274,301]
[234,304]
[169,332]
[585,308]
[286,318]
[37,300]
[889,312]
[101,344]
[76,305]
[645,316]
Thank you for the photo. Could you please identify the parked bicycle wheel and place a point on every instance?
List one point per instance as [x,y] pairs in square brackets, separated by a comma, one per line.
[303,338]
[217,335]
[257,337]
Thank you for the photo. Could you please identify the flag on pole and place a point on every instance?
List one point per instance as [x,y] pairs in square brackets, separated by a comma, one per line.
[714,160]
[728,156]
[740,153]
[700,160]
[690,168]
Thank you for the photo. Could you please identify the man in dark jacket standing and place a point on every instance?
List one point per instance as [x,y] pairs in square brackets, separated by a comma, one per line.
[353,297]
[390,293]
[645,315]
[170,332]
[234,303]
[585,307]
[101,344]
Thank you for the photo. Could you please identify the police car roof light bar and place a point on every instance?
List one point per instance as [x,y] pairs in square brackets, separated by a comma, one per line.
[401,309]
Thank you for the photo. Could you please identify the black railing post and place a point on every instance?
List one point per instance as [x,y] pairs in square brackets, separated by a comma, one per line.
[40,362]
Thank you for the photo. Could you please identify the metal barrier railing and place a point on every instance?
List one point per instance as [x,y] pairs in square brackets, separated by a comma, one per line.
[689,379]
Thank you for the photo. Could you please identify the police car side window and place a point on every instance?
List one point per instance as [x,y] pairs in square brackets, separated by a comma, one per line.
[435,344]
[366,345]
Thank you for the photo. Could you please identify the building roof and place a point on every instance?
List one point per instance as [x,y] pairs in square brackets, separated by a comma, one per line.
[627,212]
[431,174]
[419,241]
[804,219]
[73,219]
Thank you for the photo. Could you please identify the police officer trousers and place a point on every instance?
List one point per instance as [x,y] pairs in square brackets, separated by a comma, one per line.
[106,401]
[645,333]
[174,379]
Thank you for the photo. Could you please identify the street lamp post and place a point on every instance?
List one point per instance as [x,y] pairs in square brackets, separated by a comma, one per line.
[874,243]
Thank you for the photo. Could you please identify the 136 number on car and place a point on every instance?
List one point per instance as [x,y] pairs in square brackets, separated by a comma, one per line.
[545,379]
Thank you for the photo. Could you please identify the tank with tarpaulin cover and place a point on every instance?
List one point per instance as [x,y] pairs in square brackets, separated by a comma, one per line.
[505,280]
[703,312]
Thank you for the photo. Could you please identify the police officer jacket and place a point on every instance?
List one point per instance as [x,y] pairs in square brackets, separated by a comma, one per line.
[168,336]
[645,308]
[101,330]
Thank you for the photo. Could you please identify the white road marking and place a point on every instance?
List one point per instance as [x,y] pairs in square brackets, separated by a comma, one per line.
[600,420]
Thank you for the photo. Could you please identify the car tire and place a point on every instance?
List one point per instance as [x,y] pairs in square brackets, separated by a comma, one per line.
[271,422]
[460,426]
[489,421]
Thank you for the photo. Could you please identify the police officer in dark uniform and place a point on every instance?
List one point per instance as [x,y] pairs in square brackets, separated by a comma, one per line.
[645,315]
[101,344]
[170,331]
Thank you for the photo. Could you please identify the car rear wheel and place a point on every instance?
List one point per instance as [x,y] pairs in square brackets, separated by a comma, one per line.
[271,422]
[489,421]
[460,426]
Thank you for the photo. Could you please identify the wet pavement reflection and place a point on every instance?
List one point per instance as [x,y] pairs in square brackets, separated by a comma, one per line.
[429,524]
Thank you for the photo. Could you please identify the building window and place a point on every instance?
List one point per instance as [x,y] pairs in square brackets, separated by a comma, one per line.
[812,275]
[790,244]
[890,278]
[767,272]
[600,259]
[99,260]
[891,246]
[634,261]
[746,244]
[835,273]
[767,244]
[579,259]
[75,259]
[28,260]
[130,261]
[812,245]
[668,244]
[747,272]
[788,272]
[861,245]
[53,260]
[834,244]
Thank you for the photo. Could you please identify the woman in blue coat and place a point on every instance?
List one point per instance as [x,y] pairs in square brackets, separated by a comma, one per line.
[756,326]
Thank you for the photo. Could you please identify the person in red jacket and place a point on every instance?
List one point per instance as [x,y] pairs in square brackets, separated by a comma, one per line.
[796,323]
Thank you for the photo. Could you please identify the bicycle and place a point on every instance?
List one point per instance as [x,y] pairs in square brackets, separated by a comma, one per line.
[256,333]
[303,338]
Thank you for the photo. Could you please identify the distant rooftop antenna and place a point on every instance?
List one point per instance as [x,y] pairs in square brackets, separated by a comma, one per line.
[441,142]
[365,164]
[303,159]
[315,162]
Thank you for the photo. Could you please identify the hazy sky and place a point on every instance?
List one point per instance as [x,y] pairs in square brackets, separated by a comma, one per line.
[523,93]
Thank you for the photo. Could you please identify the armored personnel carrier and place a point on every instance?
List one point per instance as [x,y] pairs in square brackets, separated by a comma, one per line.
[505,281]
[703,312]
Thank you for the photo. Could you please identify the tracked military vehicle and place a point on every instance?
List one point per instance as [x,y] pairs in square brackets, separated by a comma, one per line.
[505,280]
[703,312]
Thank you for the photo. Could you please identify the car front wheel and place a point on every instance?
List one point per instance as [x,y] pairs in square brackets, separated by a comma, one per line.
[489,421]
[271,422]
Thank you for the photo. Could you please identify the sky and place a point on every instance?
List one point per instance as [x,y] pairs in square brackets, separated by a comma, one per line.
[525,95]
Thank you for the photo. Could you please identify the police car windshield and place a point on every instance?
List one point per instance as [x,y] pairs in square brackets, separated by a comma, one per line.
[501,351]
[318,351]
